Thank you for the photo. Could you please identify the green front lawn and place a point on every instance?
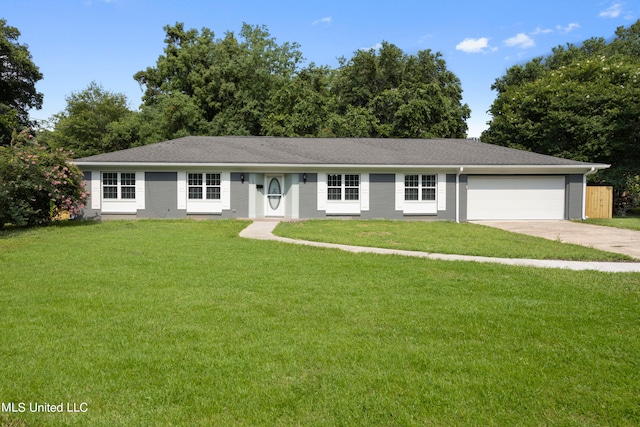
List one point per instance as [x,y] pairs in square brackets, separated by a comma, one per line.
[632,223]
[441,237]
[185,323]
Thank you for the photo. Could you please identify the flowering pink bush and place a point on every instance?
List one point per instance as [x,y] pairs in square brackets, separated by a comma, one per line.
[36,183]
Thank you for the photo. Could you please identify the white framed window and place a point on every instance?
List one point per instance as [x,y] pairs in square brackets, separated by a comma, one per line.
[343,187]
[420,193]
[420,187]
[118,192]
[118,185]
[203,186]
[203,192]
[343,193]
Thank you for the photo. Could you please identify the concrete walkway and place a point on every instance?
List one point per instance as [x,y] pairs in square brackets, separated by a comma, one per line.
[263,230]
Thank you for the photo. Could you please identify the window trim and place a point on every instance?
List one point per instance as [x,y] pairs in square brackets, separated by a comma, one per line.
[421,207]
[204,186]
[118,205]
[203,206]
[422,180]
[343,187]
[119,186]
[342,206]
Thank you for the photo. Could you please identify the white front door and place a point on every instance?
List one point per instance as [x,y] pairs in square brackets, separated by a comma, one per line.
[274,197]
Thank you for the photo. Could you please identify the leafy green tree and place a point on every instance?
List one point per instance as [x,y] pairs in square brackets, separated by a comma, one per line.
[37,183]
[303,106]
[18,78]
[227,82]
[410,96]
[84,125]
[579,103]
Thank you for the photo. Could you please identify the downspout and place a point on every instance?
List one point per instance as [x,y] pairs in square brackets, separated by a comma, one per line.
[458,193]
[584,192]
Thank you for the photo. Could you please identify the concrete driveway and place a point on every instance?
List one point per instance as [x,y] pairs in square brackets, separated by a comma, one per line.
[606,238]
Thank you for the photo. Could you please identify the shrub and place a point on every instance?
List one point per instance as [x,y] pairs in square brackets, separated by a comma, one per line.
[36,183]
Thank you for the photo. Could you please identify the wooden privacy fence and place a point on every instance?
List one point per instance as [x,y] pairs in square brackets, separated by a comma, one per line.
[599,202]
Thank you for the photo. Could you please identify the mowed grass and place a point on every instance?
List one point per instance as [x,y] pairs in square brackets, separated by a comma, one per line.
[441,237]
[185,323]
[631,223]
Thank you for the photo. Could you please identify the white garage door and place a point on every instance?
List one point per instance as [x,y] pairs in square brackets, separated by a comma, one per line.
[530,197]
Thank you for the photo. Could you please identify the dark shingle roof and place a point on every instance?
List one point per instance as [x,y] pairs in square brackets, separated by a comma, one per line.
[326,151]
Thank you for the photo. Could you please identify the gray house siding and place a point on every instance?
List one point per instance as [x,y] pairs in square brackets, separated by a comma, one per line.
[450,213]
[239,196]
[308,197]
[382,190]
[160,195]
[574,196]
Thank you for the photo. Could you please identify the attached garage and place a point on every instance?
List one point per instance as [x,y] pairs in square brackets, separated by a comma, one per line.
[515,197]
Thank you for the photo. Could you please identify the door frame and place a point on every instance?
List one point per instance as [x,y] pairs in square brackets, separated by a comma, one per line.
[267,207]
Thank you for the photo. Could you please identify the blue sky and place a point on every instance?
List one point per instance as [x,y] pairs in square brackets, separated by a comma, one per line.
[75,42]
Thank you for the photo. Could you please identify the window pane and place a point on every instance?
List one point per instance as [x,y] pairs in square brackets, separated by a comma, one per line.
[334,180]
[110,192]
[128,179]
[428,194]
[195,192]
[334,194]
[351,193]
[411,194]
[213,193]
[351,180]
[128,192]
[213,179]
[109,178]
[195,179]
[428,180]
[411,180]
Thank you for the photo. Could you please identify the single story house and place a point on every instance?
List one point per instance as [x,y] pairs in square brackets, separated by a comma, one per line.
[261,177]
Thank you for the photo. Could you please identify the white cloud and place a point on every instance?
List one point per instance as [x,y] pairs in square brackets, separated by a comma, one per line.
[474,45]
[521,40]
[568,28]
[612,11]
[374,47]
[325,20]
[539,30]
[425,38]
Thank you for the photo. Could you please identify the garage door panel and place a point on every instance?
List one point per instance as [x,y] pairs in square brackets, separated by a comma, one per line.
[503,198]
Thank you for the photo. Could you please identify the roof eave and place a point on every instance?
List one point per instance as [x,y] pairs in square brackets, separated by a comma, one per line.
[286,167]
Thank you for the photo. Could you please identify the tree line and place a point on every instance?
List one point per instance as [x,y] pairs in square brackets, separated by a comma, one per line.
[251,85]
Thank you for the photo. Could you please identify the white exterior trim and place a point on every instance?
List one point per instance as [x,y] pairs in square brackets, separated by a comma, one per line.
[364,191]
[120,205]
[182,190]
[422,207]
[294,199]
[140,190]
[96,189]
[225,190]
[343,207]
[441,192]
[204,206]
[322,191]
